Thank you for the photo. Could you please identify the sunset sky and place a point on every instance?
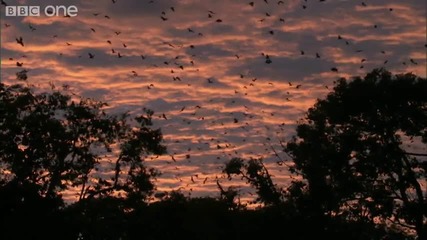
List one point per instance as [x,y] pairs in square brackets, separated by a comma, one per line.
[225,79]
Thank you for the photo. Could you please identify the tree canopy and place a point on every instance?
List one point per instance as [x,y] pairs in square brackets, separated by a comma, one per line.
[359,154]
[352,152]
[55,141]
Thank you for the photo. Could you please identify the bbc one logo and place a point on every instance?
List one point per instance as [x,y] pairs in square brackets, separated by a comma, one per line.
[35,11]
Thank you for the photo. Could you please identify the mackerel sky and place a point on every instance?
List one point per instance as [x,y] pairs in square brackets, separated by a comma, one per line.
[225,78]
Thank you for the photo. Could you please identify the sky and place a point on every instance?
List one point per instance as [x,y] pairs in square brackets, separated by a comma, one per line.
[225,78]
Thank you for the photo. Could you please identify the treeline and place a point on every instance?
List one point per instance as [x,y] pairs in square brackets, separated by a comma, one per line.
[358,178]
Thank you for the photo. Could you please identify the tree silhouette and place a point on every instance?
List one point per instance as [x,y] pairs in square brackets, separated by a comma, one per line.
[53,142]
[360,178]
[351,150]
[257,175]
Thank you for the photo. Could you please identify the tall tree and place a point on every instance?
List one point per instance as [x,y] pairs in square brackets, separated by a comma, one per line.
[352,151]
[57,141]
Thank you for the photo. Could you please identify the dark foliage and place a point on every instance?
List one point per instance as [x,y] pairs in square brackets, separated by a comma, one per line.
[358,177]
[359,180]
[351,152]
[53,142]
